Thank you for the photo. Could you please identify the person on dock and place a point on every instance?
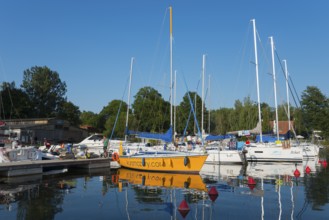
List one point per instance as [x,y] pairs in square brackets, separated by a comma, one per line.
[105,145]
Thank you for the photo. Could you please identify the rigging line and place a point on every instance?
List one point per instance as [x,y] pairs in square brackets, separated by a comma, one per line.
[118,112]
[188,120]
[283,71]
[195,119]
[157,49]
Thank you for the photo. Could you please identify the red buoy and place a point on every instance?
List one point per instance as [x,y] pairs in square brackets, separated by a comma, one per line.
[213,194]
[324,163]
[307,170]
[297,173]
[183,208]
[251,183]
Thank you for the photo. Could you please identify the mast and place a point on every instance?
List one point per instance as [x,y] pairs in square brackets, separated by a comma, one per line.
[130,76]
[257,80]
[274,85]
[202,98]
[287,90]
[209,106]
[175,102]
[171,70]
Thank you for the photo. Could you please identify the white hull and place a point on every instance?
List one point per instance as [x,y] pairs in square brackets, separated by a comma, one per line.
[19,154]
[268,152]
[224,157]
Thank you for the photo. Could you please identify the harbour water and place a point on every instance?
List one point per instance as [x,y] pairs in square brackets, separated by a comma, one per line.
[257,191]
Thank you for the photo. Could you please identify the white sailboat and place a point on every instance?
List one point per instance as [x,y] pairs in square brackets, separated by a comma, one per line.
[270,152]
[218,151]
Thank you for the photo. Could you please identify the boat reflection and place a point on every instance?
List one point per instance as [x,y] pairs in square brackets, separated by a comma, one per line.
[160,179]
[274,170]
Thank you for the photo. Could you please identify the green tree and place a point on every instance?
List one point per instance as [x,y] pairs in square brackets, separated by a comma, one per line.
[45,90]
[185,115]
[69,112]
[315,110]
[151,111]
[14,102]
[113,118]
[89,118]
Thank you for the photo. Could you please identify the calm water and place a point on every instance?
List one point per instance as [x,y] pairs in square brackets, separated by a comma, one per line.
[258,191]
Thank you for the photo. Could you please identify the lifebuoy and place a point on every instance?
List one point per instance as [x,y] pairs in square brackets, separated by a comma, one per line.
[115,156]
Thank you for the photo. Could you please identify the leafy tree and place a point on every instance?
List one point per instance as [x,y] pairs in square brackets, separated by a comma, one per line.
[151,111]
[14,102]
[185,115]
[45,90]
[69,112]
[108,117]
[89,118]
[267,116]
[315,109]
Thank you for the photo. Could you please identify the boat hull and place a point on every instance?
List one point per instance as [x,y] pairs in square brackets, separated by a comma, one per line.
[164,163]
[273,154]
[224,157]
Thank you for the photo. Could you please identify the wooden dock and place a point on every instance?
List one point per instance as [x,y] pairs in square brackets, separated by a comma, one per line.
[22,168]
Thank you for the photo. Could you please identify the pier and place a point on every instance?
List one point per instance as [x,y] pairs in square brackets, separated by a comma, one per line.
[22,168]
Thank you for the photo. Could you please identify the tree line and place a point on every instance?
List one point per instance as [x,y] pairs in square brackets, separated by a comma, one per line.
[43,94]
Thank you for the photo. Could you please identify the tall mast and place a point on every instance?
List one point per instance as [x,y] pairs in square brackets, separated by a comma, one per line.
[274,85]
[202,98]
[209,106]
[128,106]
[175,103]
[171,69]
[287,90]
[257,80]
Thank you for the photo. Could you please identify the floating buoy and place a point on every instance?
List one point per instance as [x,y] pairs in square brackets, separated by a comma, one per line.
[143,162]
[307,170]
[324,164]
[213,194]
[297,173]
[115,156]
[247,142]
[183,208]
[251,183]
[186,161]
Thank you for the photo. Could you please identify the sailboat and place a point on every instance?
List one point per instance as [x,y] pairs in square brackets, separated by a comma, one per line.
[270,152]
[163,161]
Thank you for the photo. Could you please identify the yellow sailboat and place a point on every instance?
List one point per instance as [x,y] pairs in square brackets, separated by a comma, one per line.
[163,161]
[160,179]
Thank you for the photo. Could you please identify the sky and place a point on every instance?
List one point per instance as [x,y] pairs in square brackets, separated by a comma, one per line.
[90,44]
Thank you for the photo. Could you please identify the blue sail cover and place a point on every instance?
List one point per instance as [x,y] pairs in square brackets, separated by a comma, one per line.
[268,138]
[218,137]
[272,137]
[167,137]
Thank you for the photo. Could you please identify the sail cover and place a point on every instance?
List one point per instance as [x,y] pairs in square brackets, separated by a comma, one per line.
[167,137]
[218,137]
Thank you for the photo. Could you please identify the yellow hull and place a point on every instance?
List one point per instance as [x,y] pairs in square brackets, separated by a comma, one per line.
[173,163]
[167,180]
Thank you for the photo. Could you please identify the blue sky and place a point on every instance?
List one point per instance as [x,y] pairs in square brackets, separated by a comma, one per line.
[90,44]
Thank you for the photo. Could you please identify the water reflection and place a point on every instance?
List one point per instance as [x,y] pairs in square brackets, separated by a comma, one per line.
[255,191]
